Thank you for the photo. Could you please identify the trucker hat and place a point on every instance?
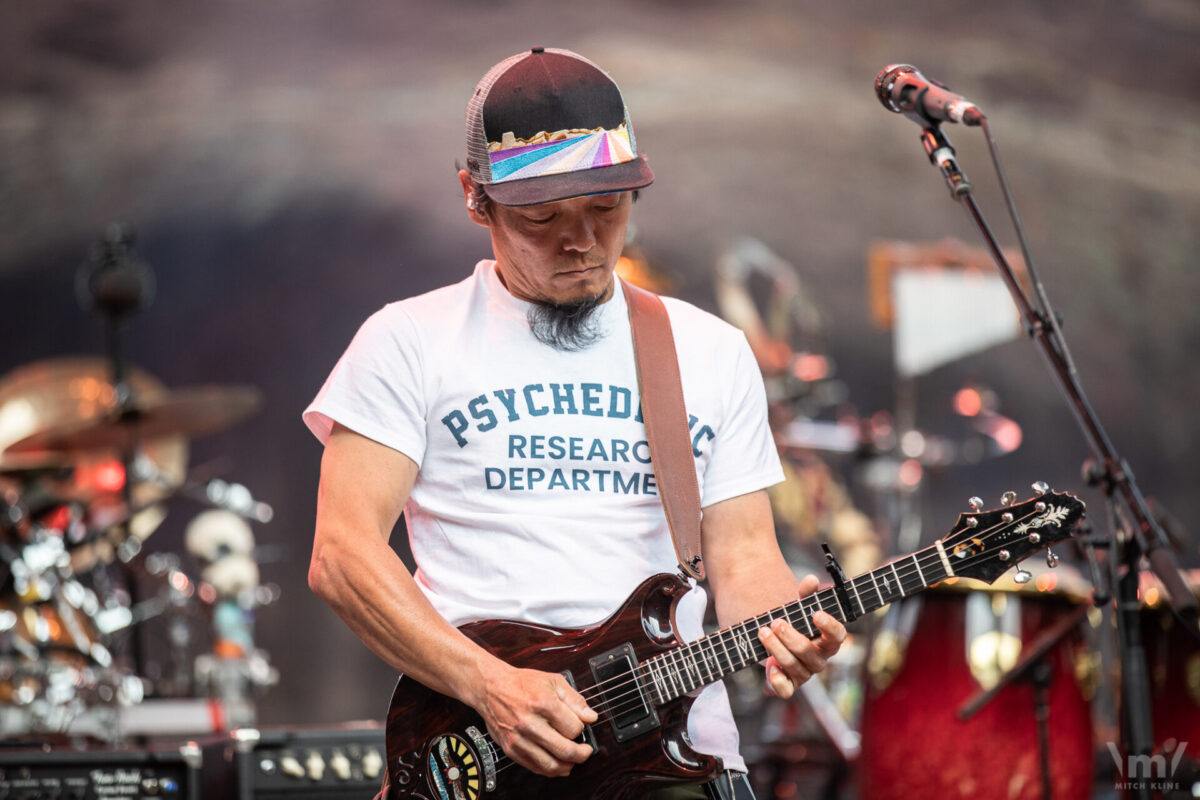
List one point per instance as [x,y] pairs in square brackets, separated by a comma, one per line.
[547,125]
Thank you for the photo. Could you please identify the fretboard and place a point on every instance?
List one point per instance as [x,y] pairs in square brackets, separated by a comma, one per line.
[690,666]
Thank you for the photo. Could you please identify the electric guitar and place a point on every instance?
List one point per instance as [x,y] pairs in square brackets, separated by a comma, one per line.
[635,673]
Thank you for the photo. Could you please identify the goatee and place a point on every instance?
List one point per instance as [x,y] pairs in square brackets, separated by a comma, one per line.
[566,326]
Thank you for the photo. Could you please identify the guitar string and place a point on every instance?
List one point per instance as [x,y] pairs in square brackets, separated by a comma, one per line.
[931,559]
[618,704]
[629,700]
[908,571]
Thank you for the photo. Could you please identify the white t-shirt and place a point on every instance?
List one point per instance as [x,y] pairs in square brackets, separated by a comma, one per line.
[535,498]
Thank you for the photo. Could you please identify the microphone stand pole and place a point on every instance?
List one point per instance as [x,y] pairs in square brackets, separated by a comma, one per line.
[1108,469]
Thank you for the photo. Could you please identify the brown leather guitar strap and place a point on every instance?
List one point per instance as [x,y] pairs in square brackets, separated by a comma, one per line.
[666,424]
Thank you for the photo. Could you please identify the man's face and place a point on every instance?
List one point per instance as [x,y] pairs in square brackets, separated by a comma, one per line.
[560,252]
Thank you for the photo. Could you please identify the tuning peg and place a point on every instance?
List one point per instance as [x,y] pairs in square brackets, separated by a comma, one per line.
[1008,498]
[975,503]
[1022,576]
[1051,559]
[1040,488]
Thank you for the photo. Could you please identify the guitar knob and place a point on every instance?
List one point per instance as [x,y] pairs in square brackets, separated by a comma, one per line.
[1051,559]
[1040,488]
[1022,576]
[1008,498]
[975,503]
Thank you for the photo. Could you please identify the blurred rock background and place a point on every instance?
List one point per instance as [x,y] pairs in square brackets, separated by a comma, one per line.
[290,167]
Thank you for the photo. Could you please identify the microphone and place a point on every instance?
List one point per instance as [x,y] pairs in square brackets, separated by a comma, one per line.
[903,89]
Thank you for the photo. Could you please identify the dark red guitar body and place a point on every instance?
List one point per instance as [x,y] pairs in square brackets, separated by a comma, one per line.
[429,733]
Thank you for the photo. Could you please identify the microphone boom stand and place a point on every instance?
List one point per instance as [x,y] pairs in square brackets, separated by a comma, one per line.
[1109,470]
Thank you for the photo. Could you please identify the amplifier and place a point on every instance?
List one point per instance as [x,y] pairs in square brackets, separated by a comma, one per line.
[332,763]
[174,773]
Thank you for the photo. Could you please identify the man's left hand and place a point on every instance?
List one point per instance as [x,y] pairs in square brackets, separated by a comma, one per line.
[794,658]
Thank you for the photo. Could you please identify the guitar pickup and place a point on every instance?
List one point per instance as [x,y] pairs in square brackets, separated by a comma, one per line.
[588,736]
[629,709]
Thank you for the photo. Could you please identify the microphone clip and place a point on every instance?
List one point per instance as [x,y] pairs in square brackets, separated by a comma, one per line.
[941,154]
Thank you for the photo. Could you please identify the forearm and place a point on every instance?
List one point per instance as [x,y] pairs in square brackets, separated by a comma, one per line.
[757,583]
[368,586]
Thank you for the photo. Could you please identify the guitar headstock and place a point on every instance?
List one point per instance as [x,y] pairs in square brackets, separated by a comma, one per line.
[984,544]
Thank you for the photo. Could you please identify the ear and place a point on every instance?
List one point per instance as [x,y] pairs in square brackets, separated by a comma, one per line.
[476,215]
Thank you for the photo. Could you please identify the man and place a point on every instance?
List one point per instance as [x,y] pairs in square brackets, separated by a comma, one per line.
[502,415]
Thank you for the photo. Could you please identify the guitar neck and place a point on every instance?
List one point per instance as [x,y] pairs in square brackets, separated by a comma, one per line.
[688,667]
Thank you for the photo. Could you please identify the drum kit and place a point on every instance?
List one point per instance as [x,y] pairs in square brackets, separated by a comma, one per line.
[84,481]
[997,691]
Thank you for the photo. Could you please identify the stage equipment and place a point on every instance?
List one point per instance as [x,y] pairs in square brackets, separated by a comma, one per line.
[903,89]
[1136,533]
[345,762]
[93,450]
[963,642]
[171,772]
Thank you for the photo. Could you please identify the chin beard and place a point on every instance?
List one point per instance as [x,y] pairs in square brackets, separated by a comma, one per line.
[566,326]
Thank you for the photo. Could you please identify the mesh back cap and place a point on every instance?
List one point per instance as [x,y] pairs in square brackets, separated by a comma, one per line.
[547,125]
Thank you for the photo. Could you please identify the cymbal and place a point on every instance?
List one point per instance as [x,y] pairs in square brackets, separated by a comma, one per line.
[33,465]
[191,412]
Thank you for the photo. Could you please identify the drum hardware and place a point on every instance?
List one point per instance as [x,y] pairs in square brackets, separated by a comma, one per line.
[190,412]
[1032,667]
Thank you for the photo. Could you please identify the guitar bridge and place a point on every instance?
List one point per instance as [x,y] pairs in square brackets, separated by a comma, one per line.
[622,694]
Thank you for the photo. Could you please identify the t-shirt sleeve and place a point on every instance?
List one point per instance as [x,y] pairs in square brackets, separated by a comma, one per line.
[744,457]
[376,388]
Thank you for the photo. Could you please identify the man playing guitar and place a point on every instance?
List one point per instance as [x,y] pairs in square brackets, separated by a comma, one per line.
[502,415]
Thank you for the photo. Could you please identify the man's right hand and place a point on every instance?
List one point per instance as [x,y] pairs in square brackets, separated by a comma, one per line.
[534,716]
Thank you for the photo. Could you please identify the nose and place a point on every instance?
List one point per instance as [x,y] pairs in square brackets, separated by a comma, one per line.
[578,232]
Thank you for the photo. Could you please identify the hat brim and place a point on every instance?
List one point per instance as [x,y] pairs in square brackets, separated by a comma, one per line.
[635,174]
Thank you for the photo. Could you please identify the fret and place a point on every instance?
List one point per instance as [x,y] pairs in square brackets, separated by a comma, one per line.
[896,575]
[643,674]
[659,678]
[878,593]
[725,647]
[705,660]
[924,582]
[807,622]
[813,598]
[654,687]
[838,612]
[861,609]
[669,672]
[745,648]
[683,673]
[699,665]
[838,605]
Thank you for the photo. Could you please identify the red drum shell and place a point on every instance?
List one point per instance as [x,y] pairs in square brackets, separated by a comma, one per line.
[914,745]
[1173,664]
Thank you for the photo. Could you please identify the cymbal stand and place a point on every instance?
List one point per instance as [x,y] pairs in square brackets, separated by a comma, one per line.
[1136,533]
[116,286]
